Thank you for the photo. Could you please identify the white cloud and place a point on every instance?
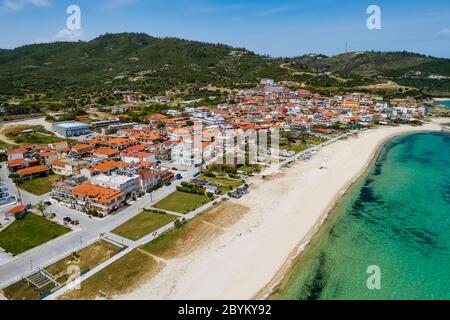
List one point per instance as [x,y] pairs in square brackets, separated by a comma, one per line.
[111,4]
[16,5]
[445,32]
[63,36]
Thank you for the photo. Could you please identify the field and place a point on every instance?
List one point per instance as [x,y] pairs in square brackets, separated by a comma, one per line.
[119,277]
[40,186]
[143,224]
[182,202]
[85,259]
[200,230]
[21,291]
[28,233]
[225,185]
[142,264]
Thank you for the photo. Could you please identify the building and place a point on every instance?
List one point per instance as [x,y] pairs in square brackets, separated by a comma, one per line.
[128,183]
[68,167]
[71,129]
[17,213]
[150,179]
[32,172]
[4,194]
[104,200]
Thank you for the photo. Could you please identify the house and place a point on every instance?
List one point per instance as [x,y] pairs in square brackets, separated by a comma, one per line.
[136,157]
[60,147]
[4,193]
[150,179]
[18,153]
[33,172]
[48,157]
[128,183]
[105,167]
[167,177]
[68,167]
[17,213]
[103,153]
[81,150]
[104,200]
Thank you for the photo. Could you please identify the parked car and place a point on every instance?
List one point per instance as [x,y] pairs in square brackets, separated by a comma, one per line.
[178,176]
[67,220]
[47,203]
[168,184]
[175,169]
[75,223]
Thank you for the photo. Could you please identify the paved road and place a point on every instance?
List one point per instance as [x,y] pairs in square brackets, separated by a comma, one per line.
[89,231]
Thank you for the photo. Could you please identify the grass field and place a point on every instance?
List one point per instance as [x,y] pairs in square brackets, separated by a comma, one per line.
[118,278]
[40,186]
[21,291]
[28,233]
[85,259]
[225,185]
[182,202]
[143,224]
[200,230]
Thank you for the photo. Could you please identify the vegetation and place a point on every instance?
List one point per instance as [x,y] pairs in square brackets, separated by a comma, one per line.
[40,186]
[29,232]
[86,259]
[118,278]
[68,76]
[182,202]
[143,224]
[225,185]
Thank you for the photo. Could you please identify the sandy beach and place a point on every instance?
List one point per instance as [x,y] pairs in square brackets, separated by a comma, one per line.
[251,255]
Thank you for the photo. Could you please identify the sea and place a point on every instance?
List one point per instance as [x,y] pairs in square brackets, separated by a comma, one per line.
[389,236]
[445,103]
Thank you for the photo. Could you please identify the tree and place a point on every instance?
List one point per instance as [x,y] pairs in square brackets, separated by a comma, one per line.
[41,207]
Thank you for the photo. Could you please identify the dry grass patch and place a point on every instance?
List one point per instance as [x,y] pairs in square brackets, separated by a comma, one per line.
[121,277]
[197,232]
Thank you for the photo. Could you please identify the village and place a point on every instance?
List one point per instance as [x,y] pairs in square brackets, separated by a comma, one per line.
[106,175]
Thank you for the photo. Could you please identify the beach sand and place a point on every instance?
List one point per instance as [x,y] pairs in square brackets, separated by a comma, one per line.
[251,255]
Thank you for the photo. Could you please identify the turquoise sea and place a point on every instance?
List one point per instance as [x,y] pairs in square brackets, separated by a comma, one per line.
[445,103]
[396,217]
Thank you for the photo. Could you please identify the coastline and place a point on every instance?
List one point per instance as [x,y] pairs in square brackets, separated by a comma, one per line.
[296,254]
[441,99]
[258,250]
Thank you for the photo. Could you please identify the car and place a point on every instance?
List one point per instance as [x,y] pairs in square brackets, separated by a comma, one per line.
[168,184]
[67,220]
[174,169]
[75,223]
[47,203]
[158,162]
[178,176]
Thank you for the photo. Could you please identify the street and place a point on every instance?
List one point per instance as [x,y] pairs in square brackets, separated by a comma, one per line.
[89,231]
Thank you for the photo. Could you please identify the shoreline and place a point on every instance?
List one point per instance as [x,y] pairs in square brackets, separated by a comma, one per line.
[210,271]
[441,99]
[296,254]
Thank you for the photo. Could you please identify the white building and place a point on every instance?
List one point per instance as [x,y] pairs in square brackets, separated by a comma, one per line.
[126,182]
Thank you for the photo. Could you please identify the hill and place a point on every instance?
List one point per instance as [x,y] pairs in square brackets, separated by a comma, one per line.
[91,71]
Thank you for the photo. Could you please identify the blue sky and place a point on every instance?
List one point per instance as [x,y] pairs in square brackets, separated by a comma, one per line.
[274,27]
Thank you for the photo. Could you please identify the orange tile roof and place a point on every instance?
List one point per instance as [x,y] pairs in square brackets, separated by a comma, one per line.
[106,152]
[103,195]
[32,170]
[17,151]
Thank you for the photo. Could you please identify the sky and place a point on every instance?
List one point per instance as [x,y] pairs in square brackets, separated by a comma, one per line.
[275,27]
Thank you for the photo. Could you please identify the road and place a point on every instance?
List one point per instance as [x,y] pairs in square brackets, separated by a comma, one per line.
[88,232]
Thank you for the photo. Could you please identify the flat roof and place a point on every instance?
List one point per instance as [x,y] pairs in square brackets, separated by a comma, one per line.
[71,125]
